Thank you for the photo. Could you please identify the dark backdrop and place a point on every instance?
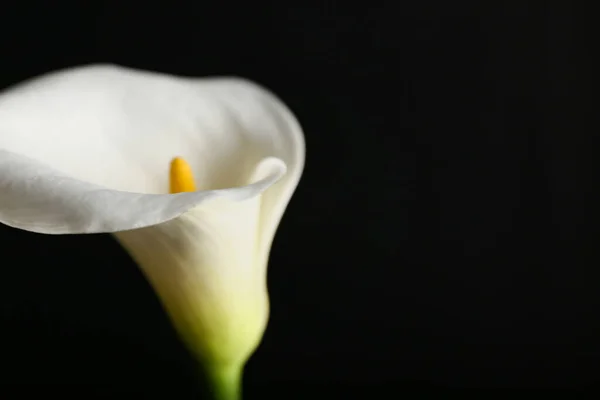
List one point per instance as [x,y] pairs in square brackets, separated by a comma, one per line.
[445,231]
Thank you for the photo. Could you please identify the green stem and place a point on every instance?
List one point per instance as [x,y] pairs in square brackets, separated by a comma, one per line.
[224,381]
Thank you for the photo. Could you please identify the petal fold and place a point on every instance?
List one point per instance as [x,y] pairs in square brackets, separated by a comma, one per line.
[37,198]
[87,149]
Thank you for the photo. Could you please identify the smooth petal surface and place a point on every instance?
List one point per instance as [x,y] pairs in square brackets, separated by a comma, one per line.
[87,150]
[207,268]
[204,267]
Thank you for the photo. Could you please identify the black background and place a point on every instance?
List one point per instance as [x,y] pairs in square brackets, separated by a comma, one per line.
[444,234]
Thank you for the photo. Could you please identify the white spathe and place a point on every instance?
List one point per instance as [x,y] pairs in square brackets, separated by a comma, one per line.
[87,150]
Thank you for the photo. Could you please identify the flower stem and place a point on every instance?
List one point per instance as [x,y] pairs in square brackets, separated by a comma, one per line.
[224,381]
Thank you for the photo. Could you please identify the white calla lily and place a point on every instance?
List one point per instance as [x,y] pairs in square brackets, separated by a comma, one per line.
[87,150]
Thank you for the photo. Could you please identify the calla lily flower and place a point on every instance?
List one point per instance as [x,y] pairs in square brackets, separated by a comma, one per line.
[191,176]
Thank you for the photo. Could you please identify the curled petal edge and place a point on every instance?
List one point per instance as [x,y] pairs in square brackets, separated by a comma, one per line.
[38,198]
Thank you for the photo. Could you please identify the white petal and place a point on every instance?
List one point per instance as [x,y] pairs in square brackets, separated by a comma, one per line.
[88,149]
[203,266]
[36,198]
[208,269]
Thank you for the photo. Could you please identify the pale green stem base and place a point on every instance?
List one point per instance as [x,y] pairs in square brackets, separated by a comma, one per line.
[224,382]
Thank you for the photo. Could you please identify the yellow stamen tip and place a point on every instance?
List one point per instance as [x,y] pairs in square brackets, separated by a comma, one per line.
[181,176]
